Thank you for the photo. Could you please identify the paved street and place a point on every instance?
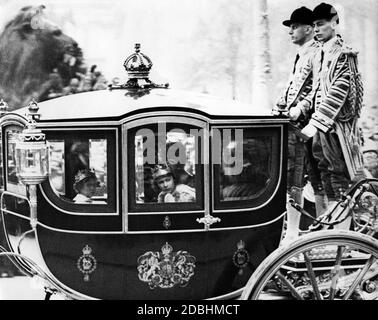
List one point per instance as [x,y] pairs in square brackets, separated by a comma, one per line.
[23,288]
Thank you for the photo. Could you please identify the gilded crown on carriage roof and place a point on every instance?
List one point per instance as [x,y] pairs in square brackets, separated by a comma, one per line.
[138,65]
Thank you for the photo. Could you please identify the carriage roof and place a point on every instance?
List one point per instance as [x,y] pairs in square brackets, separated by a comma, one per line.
[116,104]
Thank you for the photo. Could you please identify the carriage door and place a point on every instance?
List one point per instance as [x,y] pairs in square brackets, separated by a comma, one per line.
[248,201]
[166,191]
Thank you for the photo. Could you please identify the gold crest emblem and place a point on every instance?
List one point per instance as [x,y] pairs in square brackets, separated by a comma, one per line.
[87,263]
[167,268]
[241,257]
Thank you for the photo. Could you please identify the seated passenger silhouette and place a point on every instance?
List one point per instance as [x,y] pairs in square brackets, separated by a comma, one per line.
[246,185]
[169,190]
[180,172]
[85,185]
[182,176]
[151,191]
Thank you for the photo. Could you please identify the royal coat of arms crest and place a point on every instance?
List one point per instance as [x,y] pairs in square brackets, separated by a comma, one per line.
[166,269]
[87,263]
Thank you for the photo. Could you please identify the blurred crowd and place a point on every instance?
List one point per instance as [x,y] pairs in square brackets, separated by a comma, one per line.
[92,80]
[369,126]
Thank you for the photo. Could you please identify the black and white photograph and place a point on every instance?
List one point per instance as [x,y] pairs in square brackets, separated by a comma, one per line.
[199,151]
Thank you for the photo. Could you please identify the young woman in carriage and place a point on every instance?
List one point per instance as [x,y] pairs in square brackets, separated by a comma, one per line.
[170,191]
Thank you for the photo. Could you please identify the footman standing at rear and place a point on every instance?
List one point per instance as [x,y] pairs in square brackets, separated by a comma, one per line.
[337,101]
[292,102]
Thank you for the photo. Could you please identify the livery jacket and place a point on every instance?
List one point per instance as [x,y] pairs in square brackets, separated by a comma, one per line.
[337,87]
[300,81]
[337,99]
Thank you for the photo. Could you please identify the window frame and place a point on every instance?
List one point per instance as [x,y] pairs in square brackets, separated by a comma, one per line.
[183,123]
[5,131]
[68,207]
[263,197]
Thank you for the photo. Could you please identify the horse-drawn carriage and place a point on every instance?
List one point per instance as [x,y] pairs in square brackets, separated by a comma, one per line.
[144,192]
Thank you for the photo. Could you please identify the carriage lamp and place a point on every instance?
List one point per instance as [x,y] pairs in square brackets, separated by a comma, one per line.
[32,158]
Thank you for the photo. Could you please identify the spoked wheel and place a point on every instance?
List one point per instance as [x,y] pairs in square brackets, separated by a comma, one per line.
[323,265]
[365,214]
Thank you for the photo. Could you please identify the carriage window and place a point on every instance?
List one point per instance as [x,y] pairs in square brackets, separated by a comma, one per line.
[14,184]
[169,176]
[78,169]
[56,166]
[246,180]
[255,170]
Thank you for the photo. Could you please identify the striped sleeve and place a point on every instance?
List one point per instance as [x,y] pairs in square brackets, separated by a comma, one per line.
[325,115]
[304,103]
[310,87]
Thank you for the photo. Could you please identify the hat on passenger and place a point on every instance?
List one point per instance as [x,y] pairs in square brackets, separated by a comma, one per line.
[161,170]
[325,11]
[301,15]
[83,176]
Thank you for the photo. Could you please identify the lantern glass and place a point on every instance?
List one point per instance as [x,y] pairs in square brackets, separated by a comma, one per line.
[32,161]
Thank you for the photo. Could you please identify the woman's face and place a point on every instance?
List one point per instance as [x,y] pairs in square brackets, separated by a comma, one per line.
[88,187]
[166,184]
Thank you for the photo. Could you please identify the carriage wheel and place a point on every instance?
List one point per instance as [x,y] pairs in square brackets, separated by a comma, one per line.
[329,265]
[365,214]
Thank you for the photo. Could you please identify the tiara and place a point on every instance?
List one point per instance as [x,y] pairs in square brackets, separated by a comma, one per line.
[160,170]
[84,174]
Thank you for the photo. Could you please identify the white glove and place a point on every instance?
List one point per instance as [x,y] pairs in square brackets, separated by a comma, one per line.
[276,111]
[309,130]
[169,198]
[294,113]
[279,108]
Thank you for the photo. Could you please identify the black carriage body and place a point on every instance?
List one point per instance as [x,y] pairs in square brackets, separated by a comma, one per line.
[128,248]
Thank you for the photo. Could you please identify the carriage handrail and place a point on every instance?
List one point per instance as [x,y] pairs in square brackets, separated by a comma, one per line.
[13,194]
[3,207]
[32,268]
[32,216]
[348,203]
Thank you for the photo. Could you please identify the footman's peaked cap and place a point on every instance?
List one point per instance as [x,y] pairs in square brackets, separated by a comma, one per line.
[324,11]
[301,15]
